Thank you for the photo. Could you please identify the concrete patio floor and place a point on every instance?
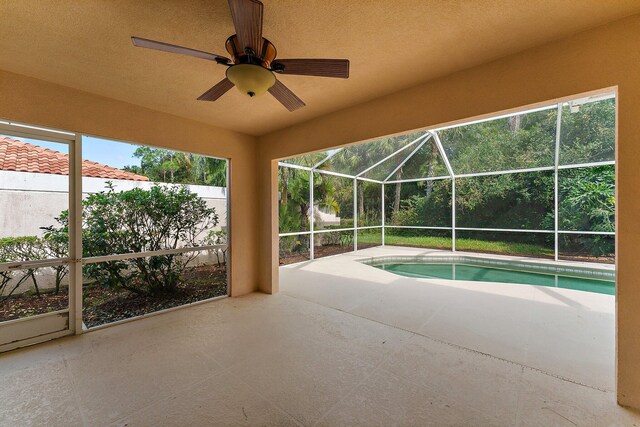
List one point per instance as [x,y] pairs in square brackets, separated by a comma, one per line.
[565,333]
[342,344]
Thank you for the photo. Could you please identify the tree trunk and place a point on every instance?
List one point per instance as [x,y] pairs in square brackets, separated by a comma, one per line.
[434,154]
[360,199]
[284,196]
[429,189]
[514,123]
[35,283]
[396,198]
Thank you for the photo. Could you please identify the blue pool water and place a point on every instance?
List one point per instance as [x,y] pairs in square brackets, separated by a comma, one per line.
[461,271]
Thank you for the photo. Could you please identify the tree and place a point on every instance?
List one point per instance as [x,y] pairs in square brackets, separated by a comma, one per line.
[523,201]
[161,165]
[294,201]
[587,202]
[357,158]
[294,204]
[426,162]
[209,171]
[588,135]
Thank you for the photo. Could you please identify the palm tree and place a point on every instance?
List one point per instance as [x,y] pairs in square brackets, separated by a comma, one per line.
[357,158]
[294,200]
[208,170]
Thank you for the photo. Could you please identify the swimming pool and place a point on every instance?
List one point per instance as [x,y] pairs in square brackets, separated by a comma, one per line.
[487,270]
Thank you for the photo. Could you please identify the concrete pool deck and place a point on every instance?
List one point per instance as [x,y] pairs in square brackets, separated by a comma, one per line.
[563,333]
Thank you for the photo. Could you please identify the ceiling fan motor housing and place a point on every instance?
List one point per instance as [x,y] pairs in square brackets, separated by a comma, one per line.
[244,55]
[250,71]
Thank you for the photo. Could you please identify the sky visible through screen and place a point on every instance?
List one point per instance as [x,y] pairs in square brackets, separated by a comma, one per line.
[111,153]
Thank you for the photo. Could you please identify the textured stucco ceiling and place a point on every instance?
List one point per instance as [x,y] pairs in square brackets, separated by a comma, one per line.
[392,45]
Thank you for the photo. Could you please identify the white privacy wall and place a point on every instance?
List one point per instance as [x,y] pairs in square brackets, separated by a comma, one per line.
[29,201]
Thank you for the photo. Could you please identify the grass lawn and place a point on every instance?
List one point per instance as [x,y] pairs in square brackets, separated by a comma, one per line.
[471,245]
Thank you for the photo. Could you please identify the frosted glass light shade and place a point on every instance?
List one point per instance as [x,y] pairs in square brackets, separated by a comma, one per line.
[251,79]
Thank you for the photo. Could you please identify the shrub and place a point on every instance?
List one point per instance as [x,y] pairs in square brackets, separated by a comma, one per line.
[334,238]
[293,245]
[137,220]
[29,248]
[12,249]
[344,223]
[218,237]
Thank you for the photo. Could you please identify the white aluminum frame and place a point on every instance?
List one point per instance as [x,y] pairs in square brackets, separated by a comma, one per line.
[134,255]
[432,134]
[398,151]
[556,197]
[73,314]
[75,235]
[47,326]
[355,213]
[414,151]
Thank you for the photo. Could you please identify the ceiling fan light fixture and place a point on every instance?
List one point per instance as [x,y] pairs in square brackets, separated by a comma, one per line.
[252,80]
[253,59]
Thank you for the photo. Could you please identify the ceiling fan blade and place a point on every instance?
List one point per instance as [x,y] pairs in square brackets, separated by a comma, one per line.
[247,19]
[217,91]
[285,96]
[316,67]
[171,48]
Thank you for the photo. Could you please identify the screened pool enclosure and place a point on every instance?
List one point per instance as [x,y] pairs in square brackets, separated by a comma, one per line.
[537,183]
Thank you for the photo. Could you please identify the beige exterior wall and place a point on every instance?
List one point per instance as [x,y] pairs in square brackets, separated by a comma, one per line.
[604,57]
[32,101]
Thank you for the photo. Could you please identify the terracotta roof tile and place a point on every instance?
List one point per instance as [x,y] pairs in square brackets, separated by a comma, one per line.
[24,157]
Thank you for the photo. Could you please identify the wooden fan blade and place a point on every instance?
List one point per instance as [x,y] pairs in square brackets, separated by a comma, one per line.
[285,96]
[171,48]
[316,67]
[217,91]
[247,19]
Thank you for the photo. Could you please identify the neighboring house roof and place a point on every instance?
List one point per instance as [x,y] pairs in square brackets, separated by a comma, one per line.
[21,156]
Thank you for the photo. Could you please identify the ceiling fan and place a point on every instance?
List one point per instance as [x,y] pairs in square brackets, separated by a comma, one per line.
[253,59]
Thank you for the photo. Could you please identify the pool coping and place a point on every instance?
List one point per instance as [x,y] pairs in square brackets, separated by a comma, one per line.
[548,267]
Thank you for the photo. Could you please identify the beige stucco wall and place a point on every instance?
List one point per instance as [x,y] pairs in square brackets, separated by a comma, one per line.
[36,199]
[604,57]
[32,101]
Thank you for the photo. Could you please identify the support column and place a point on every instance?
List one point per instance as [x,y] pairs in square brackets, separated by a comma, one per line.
[311,218]
[355,214]
[75,235]
[555,183]
[445,159]
[383,219]
[453,214]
